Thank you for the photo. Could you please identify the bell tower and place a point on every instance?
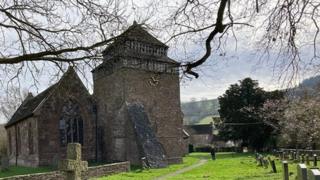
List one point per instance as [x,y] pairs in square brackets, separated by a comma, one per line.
[136,69]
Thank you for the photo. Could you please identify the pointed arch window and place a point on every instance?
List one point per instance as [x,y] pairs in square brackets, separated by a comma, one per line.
[71,124]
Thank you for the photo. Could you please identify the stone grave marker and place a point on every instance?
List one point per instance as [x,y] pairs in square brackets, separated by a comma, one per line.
[273,166]
[73,166]
[292,155]
[315,160]
[314,174]
[4,163]
[285,170]
[265,163]
[302,172]
[260,160]
[302,159]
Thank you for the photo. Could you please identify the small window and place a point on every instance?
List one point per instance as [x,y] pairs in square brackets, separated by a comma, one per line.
[30,139]
[10,142]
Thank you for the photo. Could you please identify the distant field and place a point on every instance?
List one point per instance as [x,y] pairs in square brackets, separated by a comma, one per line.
[206,120]
[195,111]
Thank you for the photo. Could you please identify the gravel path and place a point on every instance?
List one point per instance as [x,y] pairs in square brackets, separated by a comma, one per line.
[180,171]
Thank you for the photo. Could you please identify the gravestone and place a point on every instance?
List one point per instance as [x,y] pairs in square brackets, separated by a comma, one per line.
[315,160]
[307,159]
[285,170]
[292,155]
[4,163]
[302,158]
[302,172]
[265,163]
[73,166]
[273,166]
[149,144]
[314,174]
[260,160]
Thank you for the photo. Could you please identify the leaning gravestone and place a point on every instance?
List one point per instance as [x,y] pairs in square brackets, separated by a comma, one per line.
[73,166]
[285,170]
[301,172]
[273,165]
[314,174]
[4,163]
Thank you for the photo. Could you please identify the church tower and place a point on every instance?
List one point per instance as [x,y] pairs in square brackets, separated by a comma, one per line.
[136,69]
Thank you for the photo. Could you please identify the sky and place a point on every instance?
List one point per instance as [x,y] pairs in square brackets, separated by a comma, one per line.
[239,60]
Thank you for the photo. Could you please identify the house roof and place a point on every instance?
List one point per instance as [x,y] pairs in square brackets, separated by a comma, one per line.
[199,129]
[30,104]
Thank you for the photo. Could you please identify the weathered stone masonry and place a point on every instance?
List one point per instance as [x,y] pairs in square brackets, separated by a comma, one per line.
[135,69]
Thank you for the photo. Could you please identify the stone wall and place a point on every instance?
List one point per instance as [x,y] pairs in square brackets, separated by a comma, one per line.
[95,171]
[160,95]
[200,139]
[51,150]
[25,154]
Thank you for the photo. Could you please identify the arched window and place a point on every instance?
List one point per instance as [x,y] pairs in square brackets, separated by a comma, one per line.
[71,124]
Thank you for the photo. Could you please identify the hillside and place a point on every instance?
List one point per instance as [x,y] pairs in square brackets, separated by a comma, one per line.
[199,111]
[310,87]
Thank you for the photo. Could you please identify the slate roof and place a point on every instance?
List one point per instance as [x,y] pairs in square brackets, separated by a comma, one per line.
[137,33]
[28,106]
[199,129]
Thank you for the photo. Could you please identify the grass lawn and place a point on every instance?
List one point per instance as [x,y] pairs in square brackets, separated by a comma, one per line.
[18,170]
[228,166]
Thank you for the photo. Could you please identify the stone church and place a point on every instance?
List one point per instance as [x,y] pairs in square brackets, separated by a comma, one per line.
[133,114]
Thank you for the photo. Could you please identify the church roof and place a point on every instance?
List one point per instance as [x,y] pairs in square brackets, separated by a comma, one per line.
[30,104]
[137,33]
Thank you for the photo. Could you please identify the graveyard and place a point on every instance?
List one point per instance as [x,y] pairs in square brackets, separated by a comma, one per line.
[228,165]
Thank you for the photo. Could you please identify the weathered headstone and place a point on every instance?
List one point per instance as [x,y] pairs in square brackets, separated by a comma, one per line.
[315,160]
[260,160]
[273,166]
[280,155]
[265,163]
[285,170]
[73,166]
[4,163]
[302,159]
[302,172]
[314,174]
[292,155]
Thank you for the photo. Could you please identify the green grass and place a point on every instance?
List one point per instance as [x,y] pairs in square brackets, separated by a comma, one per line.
[138,173]
[18,170]
[206,120]
[228,166]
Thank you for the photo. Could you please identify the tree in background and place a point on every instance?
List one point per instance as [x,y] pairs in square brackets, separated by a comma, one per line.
[240,113]
[299,122]
[10,100]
